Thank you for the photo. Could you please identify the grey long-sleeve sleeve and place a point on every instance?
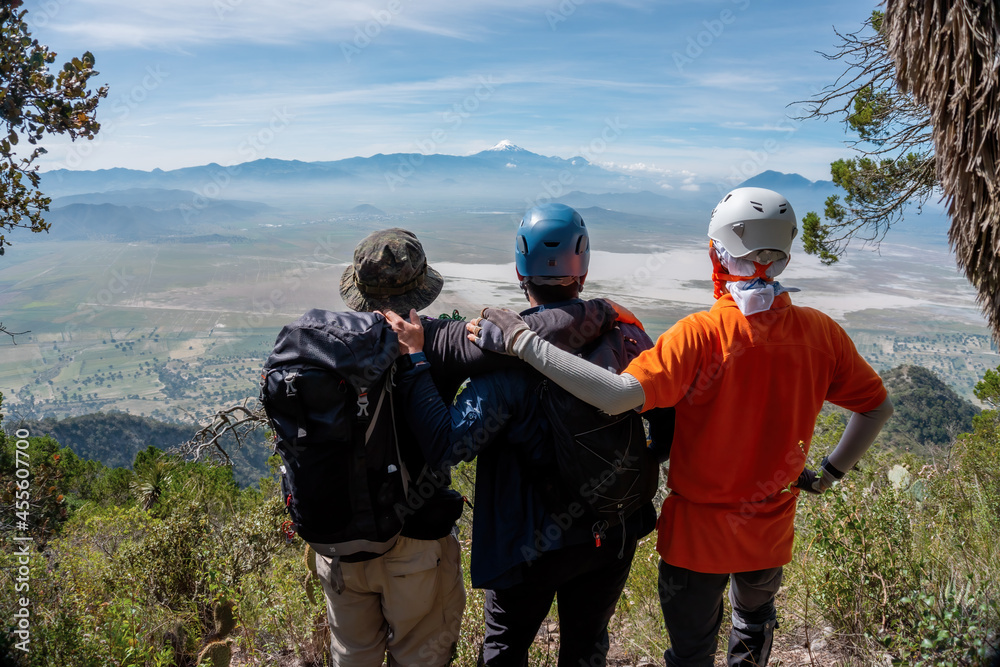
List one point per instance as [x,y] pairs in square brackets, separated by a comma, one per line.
[861,431]
[598,386]
[617,393]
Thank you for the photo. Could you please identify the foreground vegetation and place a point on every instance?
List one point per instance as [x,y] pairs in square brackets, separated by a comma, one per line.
[172,563]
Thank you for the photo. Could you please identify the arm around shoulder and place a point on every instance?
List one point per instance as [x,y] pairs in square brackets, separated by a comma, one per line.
[612,393]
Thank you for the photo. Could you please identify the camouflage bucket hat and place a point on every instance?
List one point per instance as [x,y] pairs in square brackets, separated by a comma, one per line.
[390,272]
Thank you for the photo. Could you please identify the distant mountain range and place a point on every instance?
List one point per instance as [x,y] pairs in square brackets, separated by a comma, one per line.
[128,204]
[775,180]
[500,172]
[136,214]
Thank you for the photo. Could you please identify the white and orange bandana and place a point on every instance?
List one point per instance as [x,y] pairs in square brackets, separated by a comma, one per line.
[751,283]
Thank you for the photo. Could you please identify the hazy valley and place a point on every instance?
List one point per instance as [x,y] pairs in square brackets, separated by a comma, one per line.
[161,301]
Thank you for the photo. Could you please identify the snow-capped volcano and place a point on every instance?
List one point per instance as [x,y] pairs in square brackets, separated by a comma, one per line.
[506,146]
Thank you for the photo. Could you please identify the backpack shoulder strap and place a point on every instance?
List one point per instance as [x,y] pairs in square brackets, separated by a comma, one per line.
[367,423]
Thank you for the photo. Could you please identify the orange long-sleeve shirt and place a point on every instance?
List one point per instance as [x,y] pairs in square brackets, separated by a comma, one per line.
[747,392]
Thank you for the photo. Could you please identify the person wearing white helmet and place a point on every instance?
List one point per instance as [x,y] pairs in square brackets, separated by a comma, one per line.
[748,379]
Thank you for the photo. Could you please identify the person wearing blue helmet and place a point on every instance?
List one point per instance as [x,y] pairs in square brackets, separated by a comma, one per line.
[552,252]
[531,543]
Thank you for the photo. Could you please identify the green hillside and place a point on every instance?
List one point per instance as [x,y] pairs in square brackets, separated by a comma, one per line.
[151,566]
[115,438]
[928,413]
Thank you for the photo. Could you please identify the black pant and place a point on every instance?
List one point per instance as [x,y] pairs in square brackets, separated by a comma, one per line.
[586,581]
[692,610]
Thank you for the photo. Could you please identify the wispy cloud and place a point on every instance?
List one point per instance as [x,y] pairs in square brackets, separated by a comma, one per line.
[561,70]
[120,24]
[745,127]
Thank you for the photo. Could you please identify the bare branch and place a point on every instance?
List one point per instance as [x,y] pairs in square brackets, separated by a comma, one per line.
[905,123]
[891,134]
[4,330]
[239,421]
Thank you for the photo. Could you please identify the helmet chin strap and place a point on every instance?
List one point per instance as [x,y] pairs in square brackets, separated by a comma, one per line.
[720,276]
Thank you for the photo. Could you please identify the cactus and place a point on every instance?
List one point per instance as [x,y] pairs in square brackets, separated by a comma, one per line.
[216,654]
[218,650]
[225,620]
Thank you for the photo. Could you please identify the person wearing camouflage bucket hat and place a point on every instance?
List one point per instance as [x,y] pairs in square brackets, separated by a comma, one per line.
[390,272]
[409,601]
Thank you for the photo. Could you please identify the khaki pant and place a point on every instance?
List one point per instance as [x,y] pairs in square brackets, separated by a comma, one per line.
[409,602]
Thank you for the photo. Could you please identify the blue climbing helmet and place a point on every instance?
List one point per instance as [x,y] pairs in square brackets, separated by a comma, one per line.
[552,240]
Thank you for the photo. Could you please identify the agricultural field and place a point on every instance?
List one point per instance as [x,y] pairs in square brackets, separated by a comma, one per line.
[179,329]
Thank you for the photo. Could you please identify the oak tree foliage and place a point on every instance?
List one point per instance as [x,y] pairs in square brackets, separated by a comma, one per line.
[34,102]
[894,167]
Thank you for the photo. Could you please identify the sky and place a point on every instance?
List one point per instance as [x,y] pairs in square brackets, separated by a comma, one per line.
[689,91]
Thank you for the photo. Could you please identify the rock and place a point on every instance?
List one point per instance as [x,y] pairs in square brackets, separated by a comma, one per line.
[900,477]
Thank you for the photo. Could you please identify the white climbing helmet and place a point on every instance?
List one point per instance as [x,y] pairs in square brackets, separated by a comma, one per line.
[752,219]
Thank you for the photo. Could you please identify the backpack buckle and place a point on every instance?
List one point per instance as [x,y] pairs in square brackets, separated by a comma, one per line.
[290,390]
[363,404]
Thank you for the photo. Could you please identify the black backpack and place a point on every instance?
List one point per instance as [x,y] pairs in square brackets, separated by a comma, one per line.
[326,389]
[602,459]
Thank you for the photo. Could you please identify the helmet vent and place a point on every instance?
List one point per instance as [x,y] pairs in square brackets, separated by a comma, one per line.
[551,244]
[782,207]
[757,206]
[728,197]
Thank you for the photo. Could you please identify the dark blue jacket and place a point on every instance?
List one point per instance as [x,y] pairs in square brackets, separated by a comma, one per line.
[454,358]
[498,418]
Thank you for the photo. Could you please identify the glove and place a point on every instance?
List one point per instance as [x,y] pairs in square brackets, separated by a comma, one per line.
[496,330]
[486,335]
[809,481]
